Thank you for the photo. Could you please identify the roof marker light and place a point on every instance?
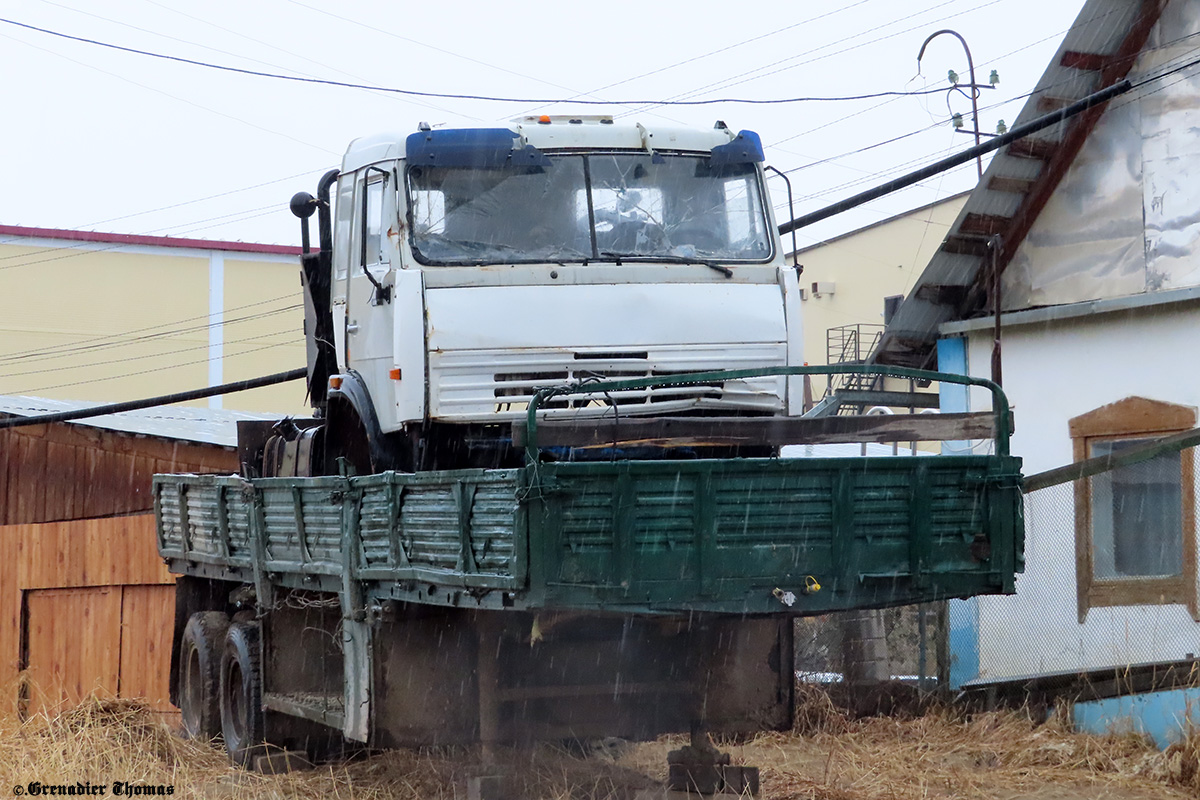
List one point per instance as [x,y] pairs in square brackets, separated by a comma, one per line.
[544,119]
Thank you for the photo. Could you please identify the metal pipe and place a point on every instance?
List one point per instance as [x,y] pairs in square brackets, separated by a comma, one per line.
[324,215]
[904,181]
[161,400]
[922,646]
[994,244]
[1000,407]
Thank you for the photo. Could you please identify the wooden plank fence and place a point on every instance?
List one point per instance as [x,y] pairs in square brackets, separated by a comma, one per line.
[85,606]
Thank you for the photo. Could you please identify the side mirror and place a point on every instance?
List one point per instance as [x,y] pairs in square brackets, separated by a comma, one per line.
[791,216]
[303,205]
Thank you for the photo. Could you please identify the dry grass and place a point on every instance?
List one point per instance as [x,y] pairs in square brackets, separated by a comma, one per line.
[991,756]
[103,741]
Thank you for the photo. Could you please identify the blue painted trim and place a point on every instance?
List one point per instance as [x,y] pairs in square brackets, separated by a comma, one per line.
[964,641]
[481,148]
[953,397]
[964,614]
[745,149]
[1163,716]
[952,358]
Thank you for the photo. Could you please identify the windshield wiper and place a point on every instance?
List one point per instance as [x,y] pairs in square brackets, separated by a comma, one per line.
[670,259]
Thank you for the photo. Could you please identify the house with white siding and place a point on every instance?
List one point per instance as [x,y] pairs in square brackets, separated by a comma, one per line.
[1087,237]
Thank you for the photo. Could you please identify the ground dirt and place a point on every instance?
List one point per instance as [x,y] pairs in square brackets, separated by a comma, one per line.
[829,756]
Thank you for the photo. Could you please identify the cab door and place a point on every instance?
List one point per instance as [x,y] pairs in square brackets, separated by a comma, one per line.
[369,290]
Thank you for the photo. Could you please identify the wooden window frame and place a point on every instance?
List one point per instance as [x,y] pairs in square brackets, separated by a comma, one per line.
[1133,417]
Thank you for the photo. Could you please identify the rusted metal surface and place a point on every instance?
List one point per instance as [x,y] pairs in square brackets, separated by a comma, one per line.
[1117,67]
[956,244]
[1003,183]
[1047,103]
[983,224]
[455,676]
[1039,149]
[1078,132]
[1092,62]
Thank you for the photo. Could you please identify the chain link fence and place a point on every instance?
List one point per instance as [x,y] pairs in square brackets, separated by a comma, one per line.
[1110,582]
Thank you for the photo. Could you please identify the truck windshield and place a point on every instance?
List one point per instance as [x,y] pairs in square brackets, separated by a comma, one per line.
[589,207]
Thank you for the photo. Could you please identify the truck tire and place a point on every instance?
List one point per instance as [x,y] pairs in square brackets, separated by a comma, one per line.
[241,694]
[200,650]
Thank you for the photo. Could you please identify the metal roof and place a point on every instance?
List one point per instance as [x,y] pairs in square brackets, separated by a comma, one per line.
[214,426]
[1096,52]
[18,232]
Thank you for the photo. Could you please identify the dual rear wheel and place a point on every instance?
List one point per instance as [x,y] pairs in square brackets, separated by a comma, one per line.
[220,684]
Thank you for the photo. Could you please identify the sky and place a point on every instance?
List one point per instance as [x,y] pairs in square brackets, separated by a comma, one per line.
[99,139]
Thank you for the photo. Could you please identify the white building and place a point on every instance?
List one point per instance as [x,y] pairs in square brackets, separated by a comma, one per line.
[1099,252]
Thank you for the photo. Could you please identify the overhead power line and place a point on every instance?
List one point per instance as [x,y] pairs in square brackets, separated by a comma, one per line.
[161,400]
[291,332]
[1173,67]
[175,97]
[754,73]
[725,49]
[1019,132]
[320,171]
[128,337]
[155,371]
[450,96]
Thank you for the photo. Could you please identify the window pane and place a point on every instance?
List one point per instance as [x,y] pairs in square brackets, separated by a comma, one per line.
[745,216]
[345,235]
[1137,516]
[678,207]
[373,223]
[467,215]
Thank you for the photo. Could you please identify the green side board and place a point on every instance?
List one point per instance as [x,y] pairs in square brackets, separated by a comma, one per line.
[632,536]
[724,535]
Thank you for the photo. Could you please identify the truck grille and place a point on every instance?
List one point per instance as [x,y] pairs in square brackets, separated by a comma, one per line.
[518,387]
[478,385]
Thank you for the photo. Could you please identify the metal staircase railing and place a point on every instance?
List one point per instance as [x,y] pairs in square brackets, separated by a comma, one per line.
[851,344]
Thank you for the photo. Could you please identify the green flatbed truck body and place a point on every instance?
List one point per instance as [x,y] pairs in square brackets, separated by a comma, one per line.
[659,537]
[581,597]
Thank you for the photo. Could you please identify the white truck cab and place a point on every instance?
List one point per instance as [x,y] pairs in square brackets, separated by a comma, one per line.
[467,268]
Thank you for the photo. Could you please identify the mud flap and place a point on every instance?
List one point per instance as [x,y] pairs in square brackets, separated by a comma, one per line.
[356,631]
[356,646]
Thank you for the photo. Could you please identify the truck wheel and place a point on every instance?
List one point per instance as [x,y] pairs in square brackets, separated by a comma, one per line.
[241,693]
[200,673]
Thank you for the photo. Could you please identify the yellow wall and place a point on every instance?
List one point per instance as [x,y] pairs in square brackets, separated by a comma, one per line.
[866,266]
[266,337]
[103,323]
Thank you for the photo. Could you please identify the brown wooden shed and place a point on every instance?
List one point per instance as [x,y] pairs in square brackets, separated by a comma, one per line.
[86,604]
